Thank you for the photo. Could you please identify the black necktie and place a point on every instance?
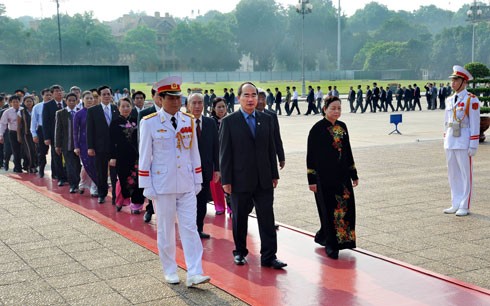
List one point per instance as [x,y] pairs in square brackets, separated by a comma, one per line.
[198,129]
[59,105]
[174,122]
[455,100]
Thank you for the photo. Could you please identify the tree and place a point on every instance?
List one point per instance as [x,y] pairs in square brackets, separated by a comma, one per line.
[140,49]
[204,46]
[260,29]
[477,70]
[370,18]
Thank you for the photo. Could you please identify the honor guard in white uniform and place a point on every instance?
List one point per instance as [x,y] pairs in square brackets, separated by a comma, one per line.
[462,130]
[170,173]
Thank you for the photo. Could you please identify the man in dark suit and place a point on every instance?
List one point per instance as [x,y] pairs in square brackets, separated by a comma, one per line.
[49,116]
[99,119]
[416,97]
[351,97]
[207,138]
[249,173]
[212,96]
[389,98]
[207,103]
[382,99]
[375,97]
[139,98]
[64,143]
[399,97]
[407,97]
[226,96]
[278,100]
[310,99]
[261,103]
[231,101]
[157,105]
[442,96]
[359,99]
[369,95]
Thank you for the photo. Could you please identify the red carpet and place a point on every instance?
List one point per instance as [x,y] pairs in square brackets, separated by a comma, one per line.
[357,278]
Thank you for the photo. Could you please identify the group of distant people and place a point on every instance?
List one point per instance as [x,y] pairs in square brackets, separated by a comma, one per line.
[407,98]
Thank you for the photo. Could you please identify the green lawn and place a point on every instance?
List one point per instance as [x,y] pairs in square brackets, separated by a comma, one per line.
[342,85]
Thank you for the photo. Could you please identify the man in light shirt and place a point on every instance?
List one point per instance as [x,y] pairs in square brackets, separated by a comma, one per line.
[37,130]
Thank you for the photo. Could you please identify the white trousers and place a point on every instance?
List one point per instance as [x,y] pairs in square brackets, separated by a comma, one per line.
[167,206]
[86,182]
[460,174]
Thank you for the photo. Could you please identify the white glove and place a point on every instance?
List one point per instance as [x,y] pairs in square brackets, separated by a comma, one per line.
[150,193]
[197,188]
[471,151]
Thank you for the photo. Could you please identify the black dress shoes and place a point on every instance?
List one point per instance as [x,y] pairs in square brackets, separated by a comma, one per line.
[147,217]
[203,235]
[101,200]
[61,183]
[240,260]
[331,253]
[73,189]
[275,264]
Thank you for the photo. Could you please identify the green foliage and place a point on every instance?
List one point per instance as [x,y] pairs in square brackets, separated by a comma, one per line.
[477,70]
[139,49]
[484,110]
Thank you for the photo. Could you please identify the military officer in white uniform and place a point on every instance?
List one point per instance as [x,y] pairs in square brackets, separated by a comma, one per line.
[170,173]
[462,130]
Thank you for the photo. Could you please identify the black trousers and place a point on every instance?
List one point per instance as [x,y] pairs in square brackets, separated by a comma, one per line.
[311,108]
[7,149]
[73,168]
[41,149]
[242,204]
[295,105]
[368,102]
[399,104]
[358,106]
[57,169]
[202,201]
[416,101]
[16,150]
[101,166]
[388,103]
[375,104]
[278,108]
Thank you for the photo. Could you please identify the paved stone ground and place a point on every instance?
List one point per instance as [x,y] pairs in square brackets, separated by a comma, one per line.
[50,255]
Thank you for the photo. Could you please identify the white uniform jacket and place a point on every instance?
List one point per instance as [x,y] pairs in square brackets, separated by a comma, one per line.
[466,110]
[168,158]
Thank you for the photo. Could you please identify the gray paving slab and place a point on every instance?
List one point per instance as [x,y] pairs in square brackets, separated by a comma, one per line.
[52,255]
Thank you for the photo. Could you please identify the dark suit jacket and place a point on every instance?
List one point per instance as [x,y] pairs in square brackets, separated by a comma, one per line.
[49,119]
[63,135]
[247,163]
[389,96]
[209,148]
[98,135]
[277,135]
[352,95]
[278,97]
[146,112]
[359,95]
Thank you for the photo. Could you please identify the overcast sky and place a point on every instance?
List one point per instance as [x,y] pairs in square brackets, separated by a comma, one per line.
[110,9]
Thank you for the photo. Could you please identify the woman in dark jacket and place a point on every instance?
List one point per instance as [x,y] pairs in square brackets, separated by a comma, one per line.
[124,156]
[24,135]
[331,176]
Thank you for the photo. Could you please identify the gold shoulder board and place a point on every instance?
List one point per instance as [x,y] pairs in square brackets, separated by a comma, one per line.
[189,115]
[150,116]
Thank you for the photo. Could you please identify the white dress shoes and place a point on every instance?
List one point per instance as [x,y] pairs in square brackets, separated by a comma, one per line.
[197,280]
[172,278]
[450,210]
[462,212]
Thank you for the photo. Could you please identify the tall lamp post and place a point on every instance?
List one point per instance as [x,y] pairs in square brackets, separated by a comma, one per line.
[303,7]
[477,13]
[338,39]
[59,30]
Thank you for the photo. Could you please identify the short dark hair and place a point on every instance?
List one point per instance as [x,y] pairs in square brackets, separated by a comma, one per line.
[14,97]
[55,86]
[139,92]
[246,83]
[99,89]
[44,91]
[71,94]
